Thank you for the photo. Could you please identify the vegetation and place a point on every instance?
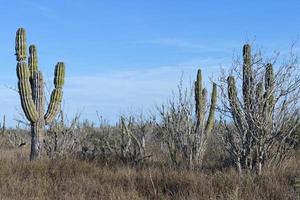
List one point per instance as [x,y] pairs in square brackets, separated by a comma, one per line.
[266,116]
[181,152]
[31,90]
[185,131]
[79,177]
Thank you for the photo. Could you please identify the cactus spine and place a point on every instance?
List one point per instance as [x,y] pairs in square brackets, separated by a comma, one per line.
[31,90]
[203,129]
[258,107]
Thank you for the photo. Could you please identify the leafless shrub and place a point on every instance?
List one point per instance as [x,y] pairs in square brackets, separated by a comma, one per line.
[63,138]
[125,141]
[185,124]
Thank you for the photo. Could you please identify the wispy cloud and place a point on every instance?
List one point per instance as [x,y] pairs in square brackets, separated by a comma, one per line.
[119,91]
[187,44]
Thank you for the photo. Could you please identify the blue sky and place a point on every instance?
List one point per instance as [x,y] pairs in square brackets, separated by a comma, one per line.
[126,56]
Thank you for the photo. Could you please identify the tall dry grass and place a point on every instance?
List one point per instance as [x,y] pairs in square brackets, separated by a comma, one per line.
[72,178]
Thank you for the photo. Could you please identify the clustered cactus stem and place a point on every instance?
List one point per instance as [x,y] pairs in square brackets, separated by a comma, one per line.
[201,101]
[256,110]
[31,90]
[203,127]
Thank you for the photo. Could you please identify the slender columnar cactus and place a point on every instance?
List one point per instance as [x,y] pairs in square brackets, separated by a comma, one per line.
[57,93]
[203,129]
[257,109]
[31,90]
[247,77]
[251,99]
[259,95]
[269,87]
[186,131]
[236,110]
[201,100]
[32,61]
[211,115]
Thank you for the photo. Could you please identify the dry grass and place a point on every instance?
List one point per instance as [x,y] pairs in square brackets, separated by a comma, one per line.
[77,179]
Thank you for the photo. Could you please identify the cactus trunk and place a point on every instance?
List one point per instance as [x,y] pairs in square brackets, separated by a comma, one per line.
[38,127]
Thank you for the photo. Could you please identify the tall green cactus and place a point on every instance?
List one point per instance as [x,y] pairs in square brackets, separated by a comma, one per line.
[31,90]
[203,129]
[201,101]
[257,108]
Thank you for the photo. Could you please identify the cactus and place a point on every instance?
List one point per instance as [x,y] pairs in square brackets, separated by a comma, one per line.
[201,101]
[258,103]
[186,130]
[31,90]
[247,77]
[203,129]
[268,96]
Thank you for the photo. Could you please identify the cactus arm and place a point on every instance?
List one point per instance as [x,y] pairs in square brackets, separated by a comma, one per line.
[204,102]
[247,77]
[198,90]
[32,61]
[26,92]
[211,117]
[269,77]
[23,75]
[234,104]
[54,105]
[199,99]
[268,96]
[59,75]
[57,93]
[21,49]
[259,97]
[269,85]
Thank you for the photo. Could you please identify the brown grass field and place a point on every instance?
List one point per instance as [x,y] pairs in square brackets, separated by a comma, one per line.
[72,178]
